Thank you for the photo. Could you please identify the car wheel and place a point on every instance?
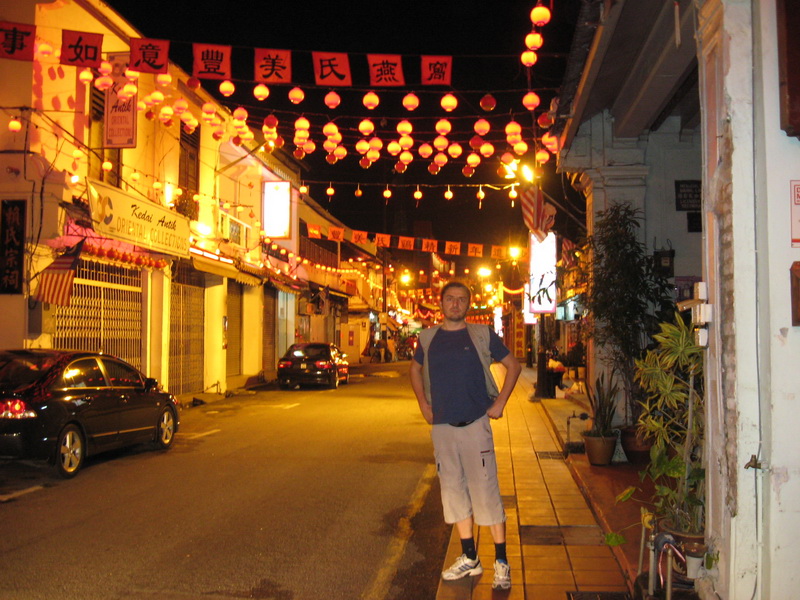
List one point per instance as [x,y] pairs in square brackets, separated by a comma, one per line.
[334,383]
[165,429]
[70,451]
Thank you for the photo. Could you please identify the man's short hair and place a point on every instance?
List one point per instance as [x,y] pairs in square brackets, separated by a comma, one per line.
[456,284]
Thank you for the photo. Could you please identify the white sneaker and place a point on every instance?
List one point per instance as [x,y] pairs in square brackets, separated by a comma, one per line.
[502,576]
[463,567]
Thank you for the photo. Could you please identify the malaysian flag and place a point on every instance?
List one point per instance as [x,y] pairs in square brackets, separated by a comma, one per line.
[539,215]
[55,282]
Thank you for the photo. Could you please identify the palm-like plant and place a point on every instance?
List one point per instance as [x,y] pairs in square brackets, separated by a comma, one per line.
[671,376]
[603,401]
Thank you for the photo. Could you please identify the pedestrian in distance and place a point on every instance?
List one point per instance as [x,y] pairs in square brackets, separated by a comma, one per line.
[391,348]
[458,396]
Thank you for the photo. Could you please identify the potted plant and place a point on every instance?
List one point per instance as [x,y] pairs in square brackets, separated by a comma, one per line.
[672,416]
[671,375]
[627,298]
[600,439]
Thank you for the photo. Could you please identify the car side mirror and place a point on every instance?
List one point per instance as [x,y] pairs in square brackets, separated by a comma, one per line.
[151,384]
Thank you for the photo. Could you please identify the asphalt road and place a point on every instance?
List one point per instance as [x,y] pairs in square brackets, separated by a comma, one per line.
[284,495]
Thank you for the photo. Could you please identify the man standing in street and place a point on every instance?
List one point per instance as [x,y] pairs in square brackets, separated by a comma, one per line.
[457,395]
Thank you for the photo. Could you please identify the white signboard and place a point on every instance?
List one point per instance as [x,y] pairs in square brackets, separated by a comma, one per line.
[119,125]
[139,221]
[543,274]
[795,214]
[277,209]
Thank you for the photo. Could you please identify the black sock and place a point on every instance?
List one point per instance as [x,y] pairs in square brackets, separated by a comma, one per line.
[468,548]
[500,552]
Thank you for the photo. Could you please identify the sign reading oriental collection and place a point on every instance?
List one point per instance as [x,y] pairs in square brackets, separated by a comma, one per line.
[139,221]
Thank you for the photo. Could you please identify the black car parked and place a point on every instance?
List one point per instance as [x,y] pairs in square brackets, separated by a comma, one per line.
[64,406]
[313,363]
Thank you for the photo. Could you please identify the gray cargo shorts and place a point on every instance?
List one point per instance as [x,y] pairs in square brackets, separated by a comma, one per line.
[467,467]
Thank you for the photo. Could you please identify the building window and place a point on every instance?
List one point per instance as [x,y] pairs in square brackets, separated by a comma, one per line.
[189,173]
[98,154]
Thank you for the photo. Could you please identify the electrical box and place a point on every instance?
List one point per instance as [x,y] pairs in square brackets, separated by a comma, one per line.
[41,318]
[701,337]
[702,314]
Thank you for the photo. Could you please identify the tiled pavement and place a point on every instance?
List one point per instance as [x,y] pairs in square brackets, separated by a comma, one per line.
[554,543]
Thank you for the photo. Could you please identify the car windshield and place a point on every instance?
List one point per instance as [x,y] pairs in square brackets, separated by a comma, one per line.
[21,369]
[310,352]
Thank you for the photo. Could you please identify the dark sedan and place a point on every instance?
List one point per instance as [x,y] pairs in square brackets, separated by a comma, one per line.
[313,363]
[65,406]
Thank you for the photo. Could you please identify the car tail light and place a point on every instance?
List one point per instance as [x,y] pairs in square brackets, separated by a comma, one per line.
[284,364]
[323,364]
[15,409]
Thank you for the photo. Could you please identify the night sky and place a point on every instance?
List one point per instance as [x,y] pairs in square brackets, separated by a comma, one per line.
[485,40]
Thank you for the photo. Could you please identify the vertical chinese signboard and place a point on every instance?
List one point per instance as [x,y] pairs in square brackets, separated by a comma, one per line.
[12,246]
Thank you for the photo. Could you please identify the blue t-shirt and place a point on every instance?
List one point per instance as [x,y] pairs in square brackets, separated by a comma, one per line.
[458,385]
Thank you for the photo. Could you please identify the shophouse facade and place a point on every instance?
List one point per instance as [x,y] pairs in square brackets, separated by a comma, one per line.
[705,95]
[191,251]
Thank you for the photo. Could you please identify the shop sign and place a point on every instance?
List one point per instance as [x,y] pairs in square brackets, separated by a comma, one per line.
[12,245]
[795,214]
[117,215]
[119,125]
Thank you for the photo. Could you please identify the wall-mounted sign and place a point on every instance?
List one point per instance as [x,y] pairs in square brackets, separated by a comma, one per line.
[117,215]
[688,194]
[119,119]
[277,209]
[795,202]
[543,274]
[12,245]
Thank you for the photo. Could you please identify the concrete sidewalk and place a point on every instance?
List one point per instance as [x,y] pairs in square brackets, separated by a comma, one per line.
[554,542]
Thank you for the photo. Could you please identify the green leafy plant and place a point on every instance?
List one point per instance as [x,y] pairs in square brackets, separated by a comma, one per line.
[603,402]
[672,415]
[627,297]
[671,375]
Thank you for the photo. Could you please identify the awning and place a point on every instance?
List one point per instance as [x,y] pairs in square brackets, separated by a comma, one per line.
[247,279]
[282,287]
[338,294]
[215,267]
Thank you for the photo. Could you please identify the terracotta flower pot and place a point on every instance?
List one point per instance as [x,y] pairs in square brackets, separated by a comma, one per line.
[599,449]
[636,448]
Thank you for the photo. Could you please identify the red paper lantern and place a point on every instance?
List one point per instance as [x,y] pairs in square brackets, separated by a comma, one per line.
[482,127]
[544,120]
[331,159]
[226,88]
[261,92]
[410,101]
[365,162]
[400,167]
[371,100]
[296,95]
[434,169]
[468,171]
[449,102]
[271,121]
[475,142]
[193,83]
[332,99]
[534,40]
[531,100]
[540,15]
[528,58]
[488,103]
